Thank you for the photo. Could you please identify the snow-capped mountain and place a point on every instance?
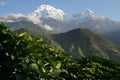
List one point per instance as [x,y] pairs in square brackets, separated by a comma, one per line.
[47,11]
[52,19]
[88,19]
[85,15]
[46,16]
[89,14]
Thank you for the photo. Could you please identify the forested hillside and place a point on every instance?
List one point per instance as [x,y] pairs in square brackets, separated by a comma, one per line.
[25,58]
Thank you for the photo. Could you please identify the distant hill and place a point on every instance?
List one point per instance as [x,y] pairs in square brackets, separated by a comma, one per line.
[29,27]
[114,36]
[83,42]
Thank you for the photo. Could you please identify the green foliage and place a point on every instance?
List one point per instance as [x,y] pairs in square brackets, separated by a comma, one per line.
[23,57]
[26,58]
[33,67]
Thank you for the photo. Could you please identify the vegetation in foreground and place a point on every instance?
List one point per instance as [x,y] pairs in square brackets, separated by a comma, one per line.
[26,58]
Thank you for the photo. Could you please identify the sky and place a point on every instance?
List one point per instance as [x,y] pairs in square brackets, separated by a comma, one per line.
[107,8]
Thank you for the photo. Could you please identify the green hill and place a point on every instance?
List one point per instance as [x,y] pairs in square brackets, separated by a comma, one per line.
[83,42]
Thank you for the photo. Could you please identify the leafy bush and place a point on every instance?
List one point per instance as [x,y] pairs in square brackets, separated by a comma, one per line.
[26,58]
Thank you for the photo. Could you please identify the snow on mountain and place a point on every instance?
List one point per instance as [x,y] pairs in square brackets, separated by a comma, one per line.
[47,11]
[90,15]
[53,19]
[86,15]
[33,18]
[50,17]
[86,19]
[44,16]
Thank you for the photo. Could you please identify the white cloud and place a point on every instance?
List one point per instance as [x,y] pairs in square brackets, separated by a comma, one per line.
[47,27]
[2,3]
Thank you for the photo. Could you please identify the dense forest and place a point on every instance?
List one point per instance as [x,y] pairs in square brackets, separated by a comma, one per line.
[25,58]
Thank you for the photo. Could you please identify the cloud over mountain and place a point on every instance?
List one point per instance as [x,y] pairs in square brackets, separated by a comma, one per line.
[54,19]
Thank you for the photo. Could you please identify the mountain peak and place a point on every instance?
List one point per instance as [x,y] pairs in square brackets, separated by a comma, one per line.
[88,11]
[88,14]
[45,6]
[48,11]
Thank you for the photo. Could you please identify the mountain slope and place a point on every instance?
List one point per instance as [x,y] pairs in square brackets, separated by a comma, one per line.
[114,36]
[82,42]
[29,27]
[95,23]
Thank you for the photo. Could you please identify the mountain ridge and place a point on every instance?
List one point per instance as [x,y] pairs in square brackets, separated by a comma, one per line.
[83,42]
